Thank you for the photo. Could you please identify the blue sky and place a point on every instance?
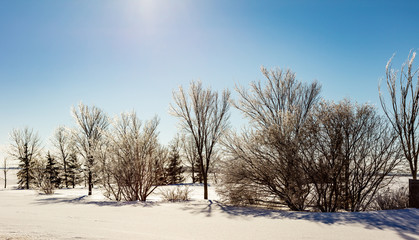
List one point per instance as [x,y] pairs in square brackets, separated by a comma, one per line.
[131,55]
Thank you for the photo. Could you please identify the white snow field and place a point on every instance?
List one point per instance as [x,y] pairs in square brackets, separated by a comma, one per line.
[70,214]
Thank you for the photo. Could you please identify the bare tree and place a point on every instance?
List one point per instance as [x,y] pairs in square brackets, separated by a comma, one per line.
[92,122]
[62,142]
[189,153]
[135,162]
[26,148]
[5,170]
[38,171]
[404,108]
[349,152]
[283,100]
[267,158]
[204,115]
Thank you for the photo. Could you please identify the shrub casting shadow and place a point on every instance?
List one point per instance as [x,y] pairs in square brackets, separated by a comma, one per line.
[404,221]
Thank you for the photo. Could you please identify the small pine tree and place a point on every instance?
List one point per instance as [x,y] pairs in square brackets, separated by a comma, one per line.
[175,169]
[73,170]
[25,174]
[52,171]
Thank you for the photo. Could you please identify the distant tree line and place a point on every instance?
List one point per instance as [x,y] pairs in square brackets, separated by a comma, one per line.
[298,149]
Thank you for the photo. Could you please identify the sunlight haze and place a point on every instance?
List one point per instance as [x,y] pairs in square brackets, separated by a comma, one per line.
[130,55]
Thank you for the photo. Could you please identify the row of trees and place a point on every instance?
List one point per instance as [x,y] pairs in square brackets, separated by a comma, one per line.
[298,149]
[124,155]
[302,151]
[98,154]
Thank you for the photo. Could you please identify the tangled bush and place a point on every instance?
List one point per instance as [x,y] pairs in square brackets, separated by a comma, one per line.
[392,199]
[46,185]
[237,193]
[304,153]
[133,163]
[176,194]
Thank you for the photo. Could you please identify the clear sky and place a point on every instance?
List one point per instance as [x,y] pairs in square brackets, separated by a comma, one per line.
[130,55]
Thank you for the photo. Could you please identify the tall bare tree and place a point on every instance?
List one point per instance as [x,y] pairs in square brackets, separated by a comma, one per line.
[92,122]
[204,115]
[403,111]
[349,152]
[25,147]
[189,153]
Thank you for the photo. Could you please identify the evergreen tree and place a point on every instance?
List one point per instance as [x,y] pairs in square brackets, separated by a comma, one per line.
[25,174]
[175,169]
[73,170]
[25,147]
[52,171]
[197,171]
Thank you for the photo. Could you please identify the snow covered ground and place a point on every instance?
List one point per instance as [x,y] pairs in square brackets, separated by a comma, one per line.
[70,214]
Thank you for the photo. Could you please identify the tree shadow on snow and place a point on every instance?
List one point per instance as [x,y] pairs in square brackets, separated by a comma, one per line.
[86,201]
[404,221]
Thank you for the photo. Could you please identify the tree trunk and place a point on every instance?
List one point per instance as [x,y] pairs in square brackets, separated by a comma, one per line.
[65,173]
[27,177]
[90,183]
[205,187]
[193,174]
[73,180]
[5,178]
[413,193]
[346,185]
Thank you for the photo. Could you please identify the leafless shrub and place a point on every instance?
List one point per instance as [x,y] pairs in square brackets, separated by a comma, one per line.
[301,153]
[46,185]
[133,163]
[38,172]
[237,190]
[176,194]
[267,159]
[349,152]
[191,156]
[392,199]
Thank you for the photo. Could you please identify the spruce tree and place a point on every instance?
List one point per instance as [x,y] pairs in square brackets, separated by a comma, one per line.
[25,147]
[175,169]
[25,174]
[73,170]
[198,173]
[52,171]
